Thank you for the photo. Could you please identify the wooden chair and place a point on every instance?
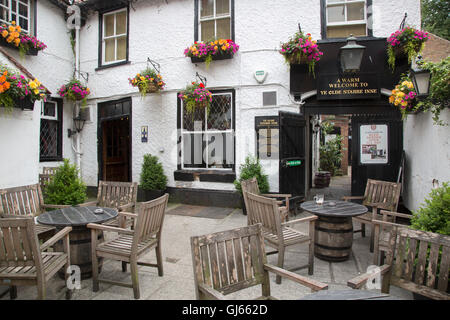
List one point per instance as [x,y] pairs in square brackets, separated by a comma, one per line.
[119,195]
[251,185]
[378,195]
[413,253]
[279,235]
[27,200]
[233,260]
[130,245]
[23,261]
[382,233]
[45,177]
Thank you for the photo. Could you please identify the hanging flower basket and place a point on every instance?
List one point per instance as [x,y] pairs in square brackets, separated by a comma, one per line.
[12,36]
[208,51]
[407,42]
[147,81]
[196,96]
[301,49]
[404,97]
[74,91]
[16,91]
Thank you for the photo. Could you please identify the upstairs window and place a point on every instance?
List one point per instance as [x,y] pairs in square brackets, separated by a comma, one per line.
[346,17]
[114,36]
[19,11]
[215,19]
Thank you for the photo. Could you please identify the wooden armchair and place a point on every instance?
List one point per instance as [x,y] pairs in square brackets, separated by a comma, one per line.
[378,195]
[251,185]
[23,262]
[412,263]
[278,234]
[27,200]
[130,245]
[218,272]
[119,195]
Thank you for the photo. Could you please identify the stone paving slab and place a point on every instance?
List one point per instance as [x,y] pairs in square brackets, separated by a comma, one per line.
[178,284]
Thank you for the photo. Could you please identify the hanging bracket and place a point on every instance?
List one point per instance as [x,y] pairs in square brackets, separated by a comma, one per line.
[402,24]
[299,28]
[201,78]
[155,65]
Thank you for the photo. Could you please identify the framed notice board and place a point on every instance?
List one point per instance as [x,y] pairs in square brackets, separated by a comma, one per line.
[267,137]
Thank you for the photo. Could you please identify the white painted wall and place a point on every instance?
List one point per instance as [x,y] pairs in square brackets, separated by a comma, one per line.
[427,150]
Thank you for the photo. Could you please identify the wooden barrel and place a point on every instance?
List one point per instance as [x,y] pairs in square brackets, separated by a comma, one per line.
[322,179]
[333,238]
[80,251]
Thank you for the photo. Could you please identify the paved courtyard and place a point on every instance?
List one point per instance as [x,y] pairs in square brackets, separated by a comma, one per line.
[177,282]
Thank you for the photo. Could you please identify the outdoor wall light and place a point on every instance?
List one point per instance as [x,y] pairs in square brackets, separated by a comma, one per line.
[351,55]
[79,124]
[420,78]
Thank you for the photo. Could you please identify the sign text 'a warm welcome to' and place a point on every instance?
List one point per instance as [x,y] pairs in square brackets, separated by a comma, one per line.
[331,87]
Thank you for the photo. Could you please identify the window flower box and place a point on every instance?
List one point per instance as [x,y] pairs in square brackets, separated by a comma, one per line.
[11,36]
[208,51]
[147,81]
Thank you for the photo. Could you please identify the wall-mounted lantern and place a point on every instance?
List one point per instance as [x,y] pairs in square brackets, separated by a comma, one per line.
[351,55]
[420,78]
[78,122]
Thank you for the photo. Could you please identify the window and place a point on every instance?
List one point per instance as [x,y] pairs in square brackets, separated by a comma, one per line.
[114,31]
[208,137]
[345,17]
[18,11]
[51,131]
[215,19]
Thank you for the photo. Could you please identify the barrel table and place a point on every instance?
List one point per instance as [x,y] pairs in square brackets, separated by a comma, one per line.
[80,236]
[333,237]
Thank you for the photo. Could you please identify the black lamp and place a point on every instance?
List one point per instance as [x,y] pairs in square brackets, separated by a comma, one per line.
[79,124]
[351,55]
[420,78]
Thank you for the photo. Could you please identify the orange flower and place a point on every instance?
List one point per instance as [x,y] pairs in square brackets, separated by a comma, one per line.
[5,33]
[7,85]
[17,42]
[2,79]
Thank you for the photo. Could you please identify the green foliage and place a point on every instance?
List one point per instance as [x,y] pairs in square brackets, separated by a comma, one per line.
[249,169]
[330,152]
[434,215]
[435,17]
[152,174]
[439,98]
[65,187]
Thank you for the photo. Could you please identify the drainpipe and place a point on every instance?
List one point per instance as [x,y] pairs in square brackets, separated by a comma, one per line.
[77,104]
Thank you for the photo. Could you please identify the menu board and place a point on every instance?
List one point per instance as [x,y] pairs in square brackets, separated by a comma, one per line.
[374,144]
[267,134]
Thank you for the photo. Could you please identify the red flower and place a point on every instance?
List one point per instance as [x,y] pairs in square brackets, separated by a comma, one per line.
[201,85]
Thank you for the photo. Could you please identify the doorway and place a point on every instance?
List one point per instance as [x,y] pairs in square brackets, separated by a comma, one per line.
[114,137]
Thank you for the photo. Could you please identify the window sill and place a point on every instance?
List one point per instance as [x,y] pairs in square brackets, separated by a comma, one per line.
[205,175]
[106,66]
[54,159]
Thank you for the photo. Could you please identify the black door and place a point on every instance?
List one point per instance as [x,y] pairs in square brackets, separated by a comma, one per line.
[292,168]
[377,145]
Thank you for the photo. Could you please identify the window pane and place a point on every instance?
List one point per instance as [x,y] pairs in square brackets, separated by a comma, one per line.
[222,7]
[121,48]
[336,14]
[49,109]
[219,117]
[23,10]
[355,11]
[207,30]
[121,22]
[110,50]
[346,31]
[23,23]
[194,121]
[207,8]
[49,138]
[4,14]
[109,25]
[193,147]
[223,29]
[220,150]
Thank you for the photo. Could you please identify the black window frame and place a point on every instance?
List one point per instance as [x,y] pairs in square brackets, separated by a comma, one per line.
[59,156]
[101,13]
[323,21]
[197,19]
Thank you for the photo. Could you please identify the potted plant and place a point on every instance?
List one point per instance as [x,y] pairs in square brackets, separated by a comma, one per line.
[404,96]
[147,81]
[249,169]
[407,42]
[196,96]
[65,187]
[301,49]
[153,181]
[18,91]
[13,36]
[211,50]
[74,91]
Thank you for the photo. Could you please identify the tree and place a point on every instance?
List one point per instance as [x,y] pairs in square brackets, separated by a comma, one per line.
[435,17]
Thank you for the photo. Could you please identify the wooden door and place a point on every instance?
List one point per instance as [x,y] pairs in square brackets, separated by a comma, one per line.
[292,167]
[116,149]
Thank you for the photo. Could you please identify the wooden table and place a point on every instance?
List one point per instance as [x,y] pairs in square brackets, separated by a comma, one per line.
[334,228]
[349,294]
[80,236]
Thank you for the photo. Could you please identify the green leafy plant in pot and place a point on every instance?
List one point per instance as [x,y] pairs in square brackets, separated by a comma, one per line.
[153,181]
[249,169]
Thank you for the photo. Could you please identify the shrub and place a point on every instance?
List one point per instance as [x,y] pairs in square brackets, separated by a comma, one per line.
[65,187]
[434,216]
[249,169]
[152,174]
